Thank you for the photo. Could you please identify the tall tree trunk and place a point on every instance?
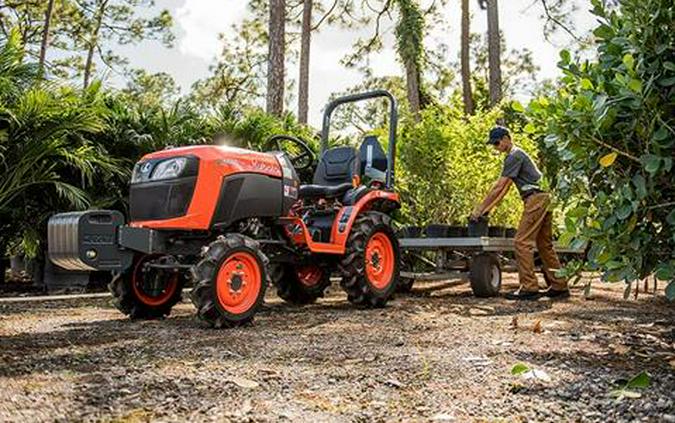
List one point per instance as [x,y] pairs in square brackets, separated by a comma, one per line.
[494,53]
[412,77]
[275,58]
[45,37]
[466,64]
[305,41]
[93,42]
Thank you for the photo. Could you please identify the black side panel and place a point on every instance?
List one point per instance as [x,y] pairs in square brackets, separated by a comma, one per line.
[247,195]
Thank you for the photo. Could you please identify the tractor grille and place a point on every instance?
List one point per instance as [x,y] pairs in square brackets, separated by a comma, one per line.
[161,199]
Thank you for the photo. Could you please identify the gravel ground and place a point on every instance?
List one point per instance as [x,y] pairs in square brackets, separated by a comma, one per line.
[433,355]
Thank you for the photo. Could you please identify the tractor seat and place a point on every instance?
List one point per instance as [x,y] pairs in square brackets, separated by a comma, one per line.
[333,176]
[323,191]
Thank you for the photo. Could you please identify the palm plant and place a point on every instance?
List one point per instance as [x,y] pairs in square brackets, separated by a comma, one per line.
[47,156]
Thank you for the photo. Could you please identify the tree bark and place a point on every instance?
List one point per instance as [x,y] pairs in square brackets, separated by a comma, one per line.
[275,58]
[494,53]
[93,41]
[45,37]
[465,60]
[412,76]
[305,43]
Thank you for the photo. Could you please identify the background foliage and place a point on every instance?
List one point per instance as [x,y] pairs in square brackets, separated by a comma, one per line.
[608,135]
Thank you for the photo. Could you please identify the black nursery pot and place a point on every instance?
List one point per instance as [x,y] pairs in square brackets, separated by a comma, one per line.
[437,231]
[497,231]
[410,232]
[458,231]
[478,228]
[511,232]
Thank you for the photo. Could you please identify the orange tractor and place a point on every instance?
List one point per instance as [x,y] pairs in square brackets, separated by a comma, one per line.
[232,220]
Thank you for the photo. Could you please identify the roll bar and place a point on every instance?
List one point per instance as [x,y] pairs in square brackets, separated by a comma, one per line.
[393,120]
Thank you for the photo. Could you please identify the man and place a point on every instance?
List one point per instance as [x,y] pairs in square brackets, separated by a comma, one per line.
[535,226]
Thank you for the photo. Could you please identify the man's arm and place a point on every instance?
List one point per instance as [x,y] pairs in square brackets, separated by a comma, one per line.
[497,193]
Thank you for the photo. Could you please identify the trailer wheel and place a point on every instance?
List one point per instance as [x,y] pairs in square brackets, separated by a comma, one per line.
[230,281]
[370,266]
[143,293]
[302,284]
[485,275]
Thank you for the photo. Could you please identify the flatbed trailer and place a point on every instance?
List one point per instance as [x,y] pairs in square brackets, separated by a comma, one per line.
[478,261]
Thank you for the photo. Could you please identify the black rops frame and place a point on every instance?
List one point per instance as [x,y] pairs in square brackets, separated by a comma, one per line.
[393,120]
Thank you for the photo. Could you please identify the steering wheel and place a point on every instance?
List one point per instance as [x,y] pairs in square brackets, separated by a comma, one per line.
[300,161]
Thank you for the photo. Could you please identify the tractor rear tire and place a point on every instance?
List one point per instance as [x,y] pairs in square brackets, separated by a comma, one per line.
[230,281]
[371,264]
[302,285]
[485,275]
[132,299]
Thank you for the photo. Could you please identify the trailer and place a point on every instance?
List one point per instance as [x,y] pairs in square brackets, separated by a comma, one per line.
[478,261]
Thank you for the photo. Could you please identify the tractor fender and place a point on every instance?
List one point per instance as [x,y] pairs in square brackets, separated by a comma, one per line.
[374,200]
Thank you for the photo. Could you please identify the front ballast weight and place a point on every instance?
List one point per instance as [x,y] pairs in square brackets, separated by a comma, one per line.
[87,241]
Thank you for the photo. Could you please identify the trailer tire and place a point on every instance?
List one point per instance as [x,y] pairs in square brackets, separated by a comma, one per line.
[371,283]
[230,281]
[302,285]
[131,300]
[485,275]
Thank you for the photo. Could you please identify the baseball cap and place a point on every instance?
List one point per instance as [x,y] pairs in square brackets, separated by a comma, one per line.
[497,133]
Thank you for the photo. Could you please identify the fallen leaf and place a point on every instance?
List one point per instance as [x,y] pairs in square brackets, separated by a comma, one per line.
[443,417]
[393,382]
[514,322]
[537,327]
[672,363]
[244,383]
[537,374]
[620,349]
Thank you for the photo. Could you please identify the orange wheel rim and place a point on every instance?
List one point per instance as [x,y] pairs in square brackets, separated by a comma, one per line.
[238,283]
[151,299]
[380,260]
[309,275]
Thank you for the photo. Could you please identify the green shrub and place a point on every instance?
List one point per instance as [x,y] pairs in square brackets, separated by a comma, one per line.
[445,168]
[608,134]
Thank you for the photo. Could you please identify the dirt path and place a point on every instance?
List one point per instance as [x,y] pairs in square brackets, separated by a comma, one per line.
[444,356]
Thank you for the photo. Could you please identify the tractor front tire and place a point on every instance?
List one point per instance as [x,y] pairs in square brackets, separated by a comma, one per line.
[485,275]
[370,267]
[132,298]
[302,285]
[230,281]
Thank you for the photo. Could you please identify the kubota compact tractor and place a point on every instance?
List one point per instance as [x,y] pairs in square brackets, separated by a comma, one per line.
[232,220]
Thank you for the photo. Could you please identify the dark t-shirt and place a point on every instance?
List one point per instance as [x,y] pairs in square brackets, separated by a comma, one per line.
[520,168]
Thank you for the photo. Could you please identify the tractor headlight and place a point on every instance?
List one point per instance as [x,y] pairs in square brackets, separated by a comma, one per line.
[171,168]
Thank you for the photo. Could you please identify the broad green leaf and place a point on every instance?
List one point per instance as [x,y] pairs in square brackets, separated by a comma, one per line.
[640,185]
[635,85]
[516,106]
[565,56]
[519,368]
[670,291]
[603,31]
[586,84]
[671,218]
[669,65]
[529,128]
[660,134]
[608,159]
[651,163]
[667,82]
[641,380]
[628,61]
